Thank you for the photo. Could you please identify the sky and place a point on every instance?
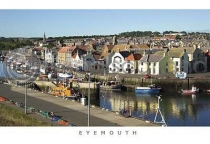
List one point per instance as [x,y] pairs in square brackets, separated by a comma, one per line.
[54,23]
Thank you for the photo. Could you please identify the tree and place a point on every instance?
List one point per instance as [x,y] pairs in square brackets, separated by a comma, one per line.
[178,37]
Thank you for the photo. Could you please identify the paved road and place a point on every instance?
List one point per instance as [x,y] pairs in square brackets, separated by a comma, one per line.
[71,111]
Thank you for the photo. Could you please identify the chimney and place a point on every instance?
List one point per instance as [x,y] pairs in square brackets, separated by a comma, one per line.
[198,46]
[194,47]
[144,53]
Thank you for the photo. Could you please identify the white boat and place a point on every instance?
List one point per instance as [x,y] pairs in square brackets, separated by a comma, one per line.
[64,75]
[150,90]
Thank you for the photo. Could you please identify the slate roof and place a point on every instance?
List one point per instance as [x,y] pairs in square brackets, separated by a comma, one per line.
[175,54]
[130,57]
[125,54]
[139,46]
[121,47]
[151,58]
[189,50]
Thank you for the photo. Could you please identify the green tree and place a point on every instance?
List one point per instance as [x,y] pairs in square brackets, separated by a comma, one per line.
[178,37]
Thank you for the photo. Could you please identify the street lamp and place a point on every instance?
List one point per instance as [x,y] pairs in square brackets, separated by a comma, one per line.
[25,94]
[25,82]
[89,100]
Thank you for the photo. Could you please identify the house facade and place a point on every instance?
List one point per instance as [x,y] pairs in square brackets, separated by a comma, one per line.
[197,62]
[177,59]
[149,64]
[119,64]
[49,57]
[77,61]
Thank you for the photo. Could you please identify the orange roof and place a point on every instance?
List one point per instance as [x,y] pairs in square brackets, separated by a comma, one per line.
[156,38]
[170,37]
[130,57]
[66,49]
[137,56]
[38,48]
[139,46]
[85,47]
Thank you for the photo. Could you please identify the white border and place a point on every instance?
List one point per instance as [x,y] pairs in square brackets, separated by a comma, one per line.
[104,4]
[83,135]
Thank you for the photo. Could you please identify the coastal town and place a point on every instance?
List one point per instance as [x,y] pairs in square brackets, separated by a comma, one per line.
[154,55]
[84,68]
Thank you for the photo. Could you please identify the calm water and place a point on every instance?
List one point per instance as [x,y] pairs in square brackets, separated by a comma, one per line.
[178,110]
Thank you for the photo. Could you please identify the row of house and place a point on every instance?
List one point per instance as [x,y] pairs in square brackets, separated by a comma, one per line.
[125,58]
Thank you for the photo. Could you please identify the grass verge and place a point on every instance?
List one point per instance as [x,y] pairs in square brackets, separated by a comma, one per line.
[13,117]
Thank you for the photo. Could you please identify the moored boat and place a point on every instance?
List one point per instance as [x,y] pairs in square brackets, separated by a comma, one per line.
[194,90]
[113,86]
[152,89]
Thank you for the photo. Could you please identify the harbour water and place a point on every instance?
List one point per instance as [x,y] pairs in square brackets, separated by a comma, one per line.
[177,109]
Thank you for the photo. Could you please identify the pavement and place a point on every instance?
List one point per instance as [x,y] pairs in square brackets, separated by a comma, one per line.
[72,111]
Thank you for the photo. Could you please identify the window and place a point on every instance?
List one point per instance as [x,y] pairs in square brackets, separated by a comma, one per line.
[128,61]
[113,65]
[113,69]
[154,63]
[153,70]
[177,69]
[141,69]
[177,63]
[149,63]
[182,69]
[128,66]
[120,60]
[120,65]
[120,70]
[141,63]
[166,70]
[166,63]
[110,69]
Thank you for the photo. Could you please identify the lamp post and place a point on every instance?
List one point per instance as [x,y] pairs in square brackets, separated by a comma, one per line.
[25,94]
[89,100]
[25,83]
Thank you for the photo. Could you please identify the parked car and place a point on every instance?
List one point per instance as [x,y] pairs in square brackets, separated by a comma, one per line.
[147,76]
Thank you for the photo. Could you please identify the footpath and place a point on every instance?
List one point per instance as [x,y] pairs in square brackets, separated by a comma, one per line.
[69,110]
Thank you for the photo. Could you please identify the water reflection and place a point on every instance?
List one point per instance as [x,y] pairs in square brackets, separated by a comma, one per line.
[178,110]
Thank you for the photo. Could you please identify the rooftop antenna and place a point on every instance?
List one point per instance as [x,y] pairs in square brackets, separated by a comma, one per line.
[159,111]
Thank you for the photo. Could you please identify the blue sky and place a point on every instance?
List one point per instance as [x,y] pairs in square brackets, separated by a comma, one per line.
[33,23]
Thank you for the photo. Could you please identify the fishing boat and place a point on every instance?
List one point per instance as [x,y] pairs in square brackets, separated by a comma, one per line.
[112,86]
[194,90]
[149,89]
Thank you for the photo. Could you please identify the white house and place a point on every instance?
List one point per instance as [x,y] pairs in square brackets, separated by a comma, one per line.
[76,61]
[48,55]
[149,64]
[119,64]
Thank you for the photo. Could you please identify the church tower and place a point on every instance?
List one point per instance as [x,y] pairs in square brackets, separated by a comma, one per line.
[44,39]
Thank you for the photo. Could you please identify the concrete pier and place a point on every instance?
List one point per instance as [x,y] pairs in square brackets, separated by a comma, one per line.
[71,111]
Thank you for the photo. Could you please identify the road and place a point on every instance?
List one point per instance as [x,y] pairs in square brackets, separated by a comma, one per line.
[73,112]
